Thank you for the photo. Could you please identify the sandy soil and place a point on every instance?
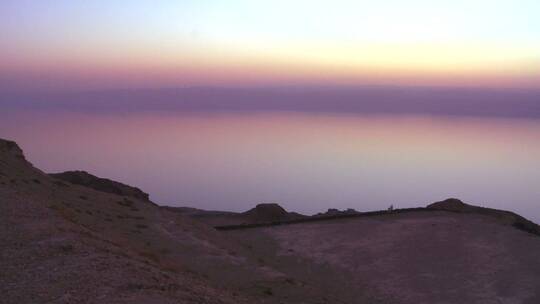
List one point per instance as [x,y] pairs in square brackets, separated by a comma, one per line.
[435,257]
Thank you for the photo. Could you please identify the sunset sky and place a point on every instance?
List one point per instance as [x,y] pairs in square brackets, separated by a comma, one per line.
[117,44]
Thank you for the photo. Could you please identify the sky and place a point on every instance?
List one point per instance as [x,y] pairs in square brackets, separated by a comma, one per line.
[98,44]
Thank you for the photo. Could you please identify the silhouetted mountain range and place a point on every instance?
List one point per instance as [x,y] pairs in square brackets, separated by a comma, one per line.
[367,100]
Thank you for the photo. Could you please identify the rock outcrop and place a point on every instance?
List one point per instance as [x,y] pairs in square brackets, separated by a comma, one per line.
[451,204]
[507,217]
[337,212]
[9,147]
[267,213]
[86,179]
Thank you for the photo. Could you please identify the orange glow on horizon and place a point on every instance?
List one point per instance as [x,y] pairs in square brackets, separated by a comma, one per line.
[270,43]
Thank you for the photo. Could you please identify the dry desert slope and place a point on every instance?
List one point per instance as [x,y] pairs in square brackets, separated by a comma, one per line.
[65,243]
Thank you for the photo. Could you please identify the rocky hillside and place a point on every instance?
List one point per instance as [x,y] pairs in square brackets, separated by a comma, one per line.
[84,178]
[66,243]
[505,217]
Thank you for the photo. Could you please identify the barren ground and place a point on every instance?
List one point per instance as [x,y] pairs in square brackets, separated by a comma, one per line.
[435,257]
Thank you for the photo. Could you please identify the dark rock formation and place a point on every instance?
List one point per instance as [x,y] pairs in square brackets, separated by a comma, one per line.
[337,212]
[507,217]
[101,184]
[12,148]
[267,213]
[451,204]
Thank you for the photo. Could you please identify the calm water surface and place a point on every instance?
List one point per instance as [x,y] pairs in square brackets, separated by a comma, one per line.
[306,162]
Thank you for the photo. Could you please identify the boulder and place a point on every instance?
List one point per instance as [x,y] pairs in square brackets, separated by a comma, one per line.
[267,213]
[451,204]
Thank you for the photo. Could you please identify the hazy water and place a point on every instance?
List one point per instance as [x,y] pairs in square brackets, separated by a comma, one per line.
[306,162]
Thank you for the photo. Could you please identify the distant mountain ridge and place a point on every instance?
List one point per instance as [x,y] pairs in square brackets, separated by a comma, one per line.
[368,100]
